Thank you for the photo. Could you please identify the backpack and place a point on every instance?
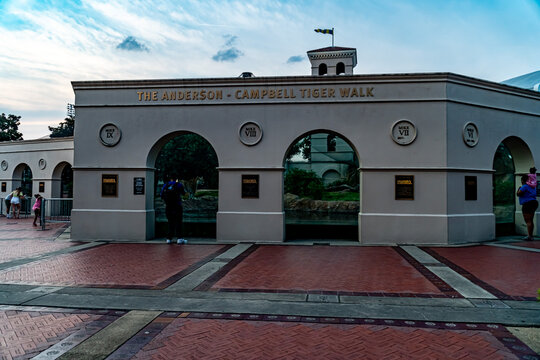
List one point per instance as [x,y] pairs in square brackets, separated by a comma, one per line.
[171,194]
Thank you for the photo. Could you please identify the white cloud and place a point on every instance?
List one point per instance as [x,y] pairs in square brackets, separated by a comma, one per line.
[59,44]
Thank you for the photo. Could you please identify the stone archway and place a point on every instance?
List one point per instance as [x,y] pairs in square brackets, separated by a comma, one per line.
[22,177]
[191,159]
[62,181]
[321,188]
[512,159]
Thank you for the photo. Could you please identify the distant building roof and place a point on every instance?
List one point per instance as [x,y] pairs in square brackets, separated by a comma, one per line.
[530,81]
[331,48]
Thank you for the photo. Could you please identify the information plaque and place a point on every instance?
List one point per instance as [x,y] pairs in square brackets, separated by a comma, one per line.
[138,186]
[41,186]
[109,185]
[4,186]
[404,187]
[250,186]
[471,188]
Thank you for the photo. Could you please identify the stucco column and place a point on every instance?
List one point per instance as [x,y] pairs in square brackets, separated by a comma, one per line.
[245,215]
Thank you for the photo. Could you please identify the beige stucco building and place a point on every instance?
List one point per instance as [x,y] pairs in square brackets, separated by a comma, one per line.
[425,143]
[38,166]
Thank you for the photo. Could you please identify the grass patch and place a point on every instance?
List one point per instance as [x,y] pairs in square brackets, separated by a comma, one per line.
[207,193]
[341,196]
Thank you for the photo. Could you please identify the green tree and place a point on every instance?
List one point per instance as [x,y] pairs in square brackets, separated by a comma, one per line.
[304,184]
[188,156]
[9,127]
[303,147]
[63,129]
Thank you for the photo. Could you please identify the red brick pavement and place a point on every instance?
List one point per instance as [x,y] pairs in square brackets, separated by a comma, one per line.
[23,229]
[187,338]
[19,249]
[528,244]
[25,334]
[514,272]
[345,269]
[114,265]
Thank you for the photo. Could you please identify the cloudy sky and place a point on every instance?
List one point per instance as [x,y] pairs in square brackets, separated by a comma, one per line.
[44,45]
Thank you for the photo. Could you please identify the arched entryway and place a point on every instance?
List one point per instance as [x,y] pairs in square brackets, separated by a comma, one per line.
[321,188]
[62,185]
[22,177]
[193,161]
[512,159]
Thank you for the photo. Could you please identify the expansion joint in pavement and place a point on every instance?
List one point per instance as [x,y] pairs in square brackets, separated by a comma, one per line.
[200,275]
[106,341]
[463,286]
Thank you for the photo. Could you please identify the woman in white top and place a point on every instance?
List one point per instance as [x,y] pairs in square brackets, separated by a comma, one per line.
[16,198]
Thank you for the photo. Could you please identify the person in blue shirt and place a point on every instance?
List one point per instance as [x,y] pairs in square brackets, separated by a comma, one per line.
[172,193]
[527,198]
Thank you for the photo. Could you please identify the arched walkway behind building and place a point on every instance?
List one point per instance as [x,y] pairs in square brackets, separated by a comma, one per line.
[321,188]
[512,159]
[22,177]
[62,181]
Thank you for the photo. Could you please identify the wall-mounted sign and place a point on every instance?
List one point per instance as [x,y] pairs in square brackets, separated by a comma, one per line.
[109,185]
[470,134]
[110,135]
[471,188]
[250,186]
[4,165]
[403,132]
[41,186]
[4,186]
[404,187]
[250,133]
[42,164]
[138,186]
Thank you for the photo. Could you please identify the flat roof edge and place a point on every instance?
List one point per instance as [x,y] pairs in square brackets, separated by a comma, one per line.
[269,80]
[41,140]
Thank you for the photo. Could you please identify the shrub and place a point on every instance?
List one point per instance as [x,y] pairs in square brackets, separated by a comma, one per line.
[304,184]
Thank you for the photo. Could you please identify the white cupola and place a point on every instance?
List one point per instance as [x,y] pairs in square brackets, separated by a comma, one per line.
[332,60]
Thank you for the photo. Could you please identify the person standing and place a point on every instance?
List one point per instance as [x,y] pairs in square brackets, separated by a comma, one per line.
[527,199]
[8,204]
[37,209]
[172,193]
[16,198]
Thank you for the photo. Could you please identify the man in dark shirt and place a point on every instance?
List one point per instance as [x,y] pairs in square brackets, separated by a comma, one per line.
[527,198]
[172,193]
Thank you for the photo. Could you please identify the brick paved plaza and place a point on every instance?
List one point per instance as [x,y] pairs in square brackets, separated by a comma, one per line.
[203,300]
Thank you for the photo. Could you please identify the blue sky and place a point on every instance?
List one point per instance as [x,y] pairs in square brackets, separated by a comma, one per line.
[44,45]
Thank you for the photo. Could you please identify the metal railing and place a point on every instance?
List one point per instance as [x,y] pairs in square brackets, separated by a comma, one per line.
[56,210]
[26,207]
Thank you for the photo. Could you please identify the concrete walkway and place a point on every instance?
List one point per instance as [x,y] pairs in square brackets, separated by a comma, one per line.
[68,300]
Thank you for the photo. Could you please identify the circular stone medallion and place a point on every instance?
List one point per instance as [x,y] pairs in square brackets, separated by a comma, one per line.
[403,132]
[470,134]
[110,135]
[42,164]
[250,133]
[4,165]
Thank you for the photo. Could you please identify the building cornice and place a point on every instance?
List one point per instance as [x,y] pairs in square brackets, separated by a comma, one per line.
[299,80]
[37,141]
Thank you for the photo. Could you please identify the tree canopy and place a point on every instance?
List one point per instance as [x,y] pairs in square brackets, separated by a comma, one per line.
[302,147]
[186,157]
[64,129]
[9,127]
